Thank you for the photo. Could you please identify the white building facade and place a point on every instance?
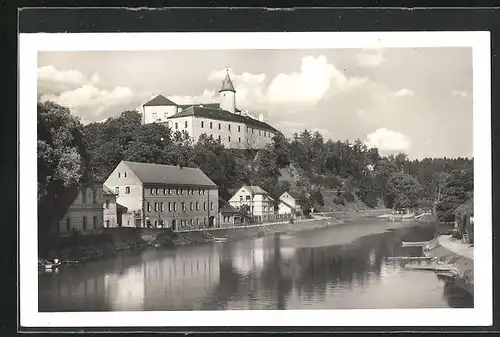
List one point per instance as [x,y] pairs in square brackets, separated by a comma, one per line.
[260,202]
[222,121]
[286,205]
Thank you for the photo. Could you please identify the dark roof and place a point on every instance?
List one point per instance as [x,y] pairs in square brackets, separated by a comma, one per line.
[203,105]
[121,208]
[227,84]
[225,207]
[159,100]
[223,115]
[169,175]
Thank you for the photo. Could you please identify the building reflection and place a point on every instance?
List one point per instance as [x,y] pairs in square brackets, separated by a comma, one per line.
[178,279]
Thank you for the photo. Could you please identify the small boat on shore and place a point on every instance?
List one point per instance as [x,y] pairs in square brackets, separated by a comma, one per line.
[220,239]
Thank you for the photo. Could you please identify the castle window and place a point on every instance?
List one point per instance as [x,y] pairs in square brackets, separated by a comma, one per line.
[156,207]
[212,205]
[127,190]
[164,191]
[218,137]
[169,191]
[185,125]
[202,124]
[152,191]
[84,223]
[197,206]
[169,206]
[107,204]
[118,174]
[239,139]
[239,128]
[199,191]
[190,206]
[219,126]
[125,174]
[183,206]
[117,190]
[162,206]
[229,127]
[210,125]
[176,126]
[191,222]
[205,205]
[175,206]
[229,139]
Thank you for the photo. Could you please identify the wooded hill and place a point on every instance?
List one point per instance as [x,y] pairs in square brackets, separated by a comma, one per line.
[324,174]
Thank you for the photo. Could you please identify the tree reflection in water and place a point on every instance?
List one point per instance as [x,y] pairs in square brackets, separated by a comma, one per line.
[275,272]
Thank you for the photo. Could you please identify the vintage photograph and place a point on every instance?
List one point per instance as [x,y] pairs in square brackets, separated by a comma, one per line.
[255,179]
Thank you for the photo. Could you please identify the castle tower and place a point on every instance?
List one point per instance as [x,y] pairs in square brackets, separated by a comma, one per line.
[227,95]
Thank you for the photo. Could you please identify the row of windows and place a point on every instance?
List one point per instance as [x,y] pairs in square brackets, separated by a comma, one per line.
[124,174]
[84,223]
[202,124]
[158,191]
[182,223]
[172,206]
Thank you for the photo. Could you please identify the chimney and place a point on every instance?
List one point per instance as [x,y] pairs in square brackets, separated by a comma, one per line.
[261,117]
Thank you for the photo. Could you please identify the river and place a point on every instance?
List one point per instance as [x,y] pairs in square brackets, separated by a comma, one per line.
[300,271]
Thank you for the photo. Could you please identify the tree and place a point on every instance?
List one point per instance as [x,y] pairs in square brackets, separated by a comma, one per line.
[281,150]
[402,191]
[62,164]
[457,188]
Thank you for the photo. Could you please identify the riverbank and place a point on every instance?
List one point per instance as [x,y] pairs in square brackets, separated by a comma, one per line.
[460,256]
[85,248]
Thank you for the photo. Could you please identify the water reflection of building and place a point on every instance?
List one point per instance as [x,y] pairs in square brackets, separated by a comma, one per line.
[177,281]
[125,291]
[67,291]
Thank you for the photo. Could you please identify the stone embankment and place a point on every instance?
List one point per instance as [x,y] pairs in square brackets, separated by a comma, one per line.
[460,256]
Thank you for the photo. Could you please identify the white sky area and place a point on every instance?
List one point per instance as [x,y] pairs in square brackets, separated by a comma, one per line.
[414,100]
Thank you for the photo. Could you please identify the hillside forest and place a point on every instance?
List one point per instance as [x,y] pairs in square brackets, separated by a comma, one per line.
[322,174]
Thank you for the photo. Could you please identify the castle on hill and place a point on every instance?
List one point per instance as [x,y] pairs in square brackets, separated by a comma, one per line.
[223,121]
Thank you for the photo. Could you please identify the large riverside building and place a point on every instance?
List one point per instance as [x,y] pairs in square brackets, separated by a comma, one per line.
[165,196]
[223,121]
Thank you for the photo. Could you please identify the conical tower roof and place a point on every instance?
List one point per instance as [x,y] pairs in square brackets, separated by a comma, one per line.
[227,84]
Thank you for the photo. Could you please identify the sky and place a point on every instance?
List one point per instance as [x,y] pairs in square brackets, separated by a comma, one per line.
[412,100]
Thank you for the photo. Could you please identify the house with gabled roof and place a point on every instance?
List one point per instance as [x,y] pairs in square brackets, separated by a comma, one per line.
[287,205]
[222,121]
[260,202]
[165,196]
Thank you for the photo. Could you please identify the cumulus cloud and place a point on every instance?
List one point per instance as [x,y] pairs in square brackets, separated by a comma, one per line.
[315,79]
[459,93]
[370,58]
[388,140]
[404,92]
[207,96]
[55,81]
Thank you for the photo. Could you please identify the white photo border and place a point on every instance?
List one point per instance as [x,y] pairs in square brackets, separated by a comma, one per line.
[31,44]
